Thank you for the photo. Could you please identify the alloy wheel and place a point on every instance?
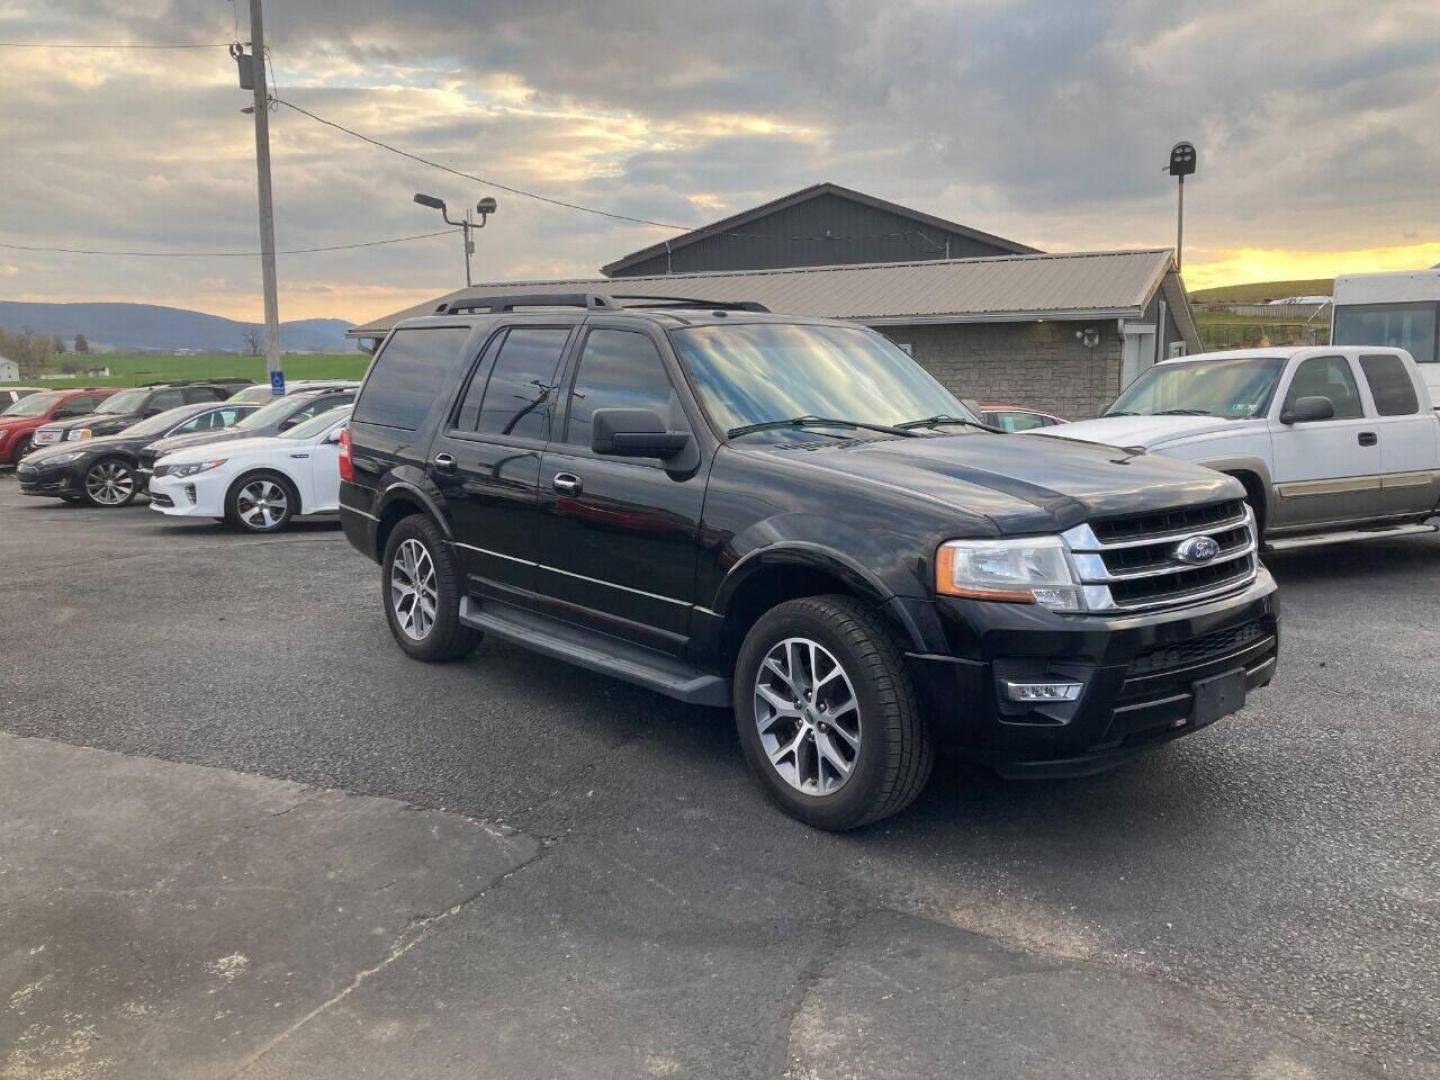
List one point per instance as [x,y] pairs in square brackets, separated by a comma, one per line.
[808,716]
[262,504]
[110,483]
[414,592]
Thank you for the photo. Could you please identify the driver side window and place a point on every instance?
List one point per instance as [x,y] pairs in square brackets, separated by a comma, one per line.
[1328,377]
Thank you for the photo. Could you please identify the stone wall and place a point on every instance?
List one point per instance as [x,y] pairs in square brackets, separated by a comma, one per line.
[1040,364]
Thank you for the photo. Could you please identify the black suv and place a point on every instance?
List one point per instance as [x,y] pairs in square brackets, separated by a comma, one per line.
[120,410]
[790,517]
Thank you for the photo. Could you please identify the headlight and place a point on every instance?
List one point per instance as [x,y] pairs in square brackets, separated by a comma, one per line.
[1032,570]
[64,459]
[79,433]
[197,467]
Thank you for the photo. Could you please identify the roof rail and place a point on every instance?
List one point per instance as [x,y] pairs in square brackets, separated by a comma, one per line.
[591,302]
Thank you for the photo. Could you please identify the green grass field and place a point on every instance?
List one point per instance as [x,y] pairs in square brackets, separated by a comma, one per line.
[1262,292]
[135,369]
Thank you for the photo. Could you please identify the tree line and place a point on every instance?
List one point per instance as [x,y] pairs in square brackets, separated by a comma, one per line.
[39,353]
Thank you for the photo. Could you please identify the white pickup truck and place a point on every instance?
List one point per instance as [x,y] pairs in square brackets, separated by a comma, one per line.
[1332,443]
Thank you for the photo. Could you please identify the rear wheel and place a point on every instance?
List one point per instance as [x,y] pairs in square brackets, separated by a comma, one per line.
[261,502]
[22,447]
[110,483]
[422,591]
[827,715]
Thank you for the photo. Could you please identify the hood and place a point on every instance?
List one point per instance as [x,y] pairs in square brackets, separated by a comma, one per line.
[1146,431]
[1023,483]
[97,443]
[195,438]
[233,447]
[8,422]
[109,423]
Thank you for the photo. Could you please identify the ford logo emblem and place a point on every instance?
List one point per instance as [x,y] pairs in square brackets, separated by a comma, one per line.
[1197,550]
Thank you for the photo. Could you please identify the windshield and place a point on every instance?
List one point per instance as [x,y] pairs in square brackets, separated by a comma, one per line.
[267,415]
[161,422]
[34,405]
[756,372]
[1235,389]
[317,424]
[126,402]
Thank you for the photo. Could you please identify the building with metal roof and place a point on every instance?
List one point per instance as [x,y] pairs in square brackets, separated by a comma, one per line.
[1062,332]
[821,225]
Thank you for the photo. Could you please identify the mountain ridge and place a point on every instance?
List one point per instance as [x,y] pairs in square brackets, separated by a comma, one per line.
[122,326]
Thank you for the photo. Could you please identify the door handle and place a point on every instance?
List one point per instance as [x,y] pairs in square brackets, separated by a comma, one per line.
[567,483]
[1368,438]
[444,461]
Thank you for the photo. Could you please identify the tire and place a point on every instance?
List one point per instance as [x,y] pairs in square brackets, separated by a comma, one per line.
[885,738]
[419,549]
[110,483]
[261,502]
[22,447]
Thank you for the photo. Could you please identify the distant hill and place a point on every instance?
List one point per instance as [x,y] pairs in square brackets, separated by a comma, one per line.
[1262,292]
[150,326]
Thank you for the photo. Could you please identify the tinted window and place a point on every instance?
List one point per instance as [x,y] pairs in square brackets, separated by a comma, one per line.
[1327,377]
[1390,385]
[407,376]
[166,399]
[520,391]
[469,414]
[1400,326]
[619,369]
[195,395]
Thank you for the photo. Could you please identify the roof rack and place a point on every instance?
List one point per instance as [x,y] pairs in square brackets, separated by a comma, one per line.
[591,302]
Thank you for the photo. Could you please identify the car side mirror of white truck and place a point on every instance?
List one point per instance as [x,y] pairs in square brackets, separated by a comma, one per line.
[1307,409]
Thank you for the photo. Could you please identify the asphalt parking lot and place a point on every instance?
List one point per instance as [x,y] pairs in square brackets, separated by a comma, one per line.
[316,857]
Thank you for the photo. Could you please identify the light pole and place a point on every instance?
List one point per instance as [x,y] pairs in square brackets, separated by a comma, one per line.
[1182,164]
[485,207]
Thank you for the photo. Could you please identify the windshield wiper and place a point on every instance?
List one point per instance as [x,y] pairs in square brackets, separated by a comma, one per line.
[1183,412]
[814,421]
[943,418]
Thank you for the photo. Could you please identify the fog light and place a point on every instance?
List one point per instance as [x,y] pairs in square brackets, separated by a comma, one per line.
[190,493]
[1042,691]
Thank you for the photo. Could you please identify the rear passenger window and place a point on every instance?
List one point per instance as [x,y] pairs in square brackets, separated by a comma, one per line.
[407,376]
[620,369]
[166,399]
[1390,385]
[514,394]
[1327,377]
[197,395]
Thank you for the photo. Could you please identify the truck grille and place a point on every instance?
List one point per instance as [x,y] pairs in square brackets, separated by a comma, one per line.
[1199,649]
[1135,563]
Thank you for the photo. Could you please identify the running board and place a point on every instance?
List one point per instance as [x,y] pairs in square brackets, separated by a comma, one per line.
[666,675]
[1320,539]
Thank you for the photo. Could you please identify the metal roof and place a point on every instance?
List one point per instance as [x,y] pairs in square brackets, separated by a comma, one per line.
[814,191]
[1007,288]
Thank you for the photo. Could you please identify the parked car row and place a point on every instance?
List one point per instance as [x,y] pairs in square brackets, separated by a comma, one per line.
[252,465]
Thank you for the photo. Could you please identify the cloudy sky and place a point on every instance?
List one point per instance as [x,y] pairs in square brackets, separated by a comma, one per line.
[1047,121]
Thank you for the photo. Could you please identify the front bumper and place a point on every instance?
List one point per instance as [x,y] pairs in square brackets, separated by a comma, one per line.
[201,495]
[1140,675]
[55,482]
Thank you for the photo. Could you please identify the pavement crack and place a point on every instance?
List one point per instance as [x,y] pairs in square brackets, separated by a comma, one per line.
[835,935]
[415,931]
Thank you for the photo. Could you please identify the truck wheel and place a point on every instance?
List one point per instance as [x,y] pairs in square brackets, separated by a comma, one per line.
[422,591]
[827,715]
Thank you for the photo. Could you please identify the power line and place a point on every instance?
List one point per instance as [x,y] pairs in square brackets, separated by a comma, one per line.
[220,254]
[102,45]
[479,179]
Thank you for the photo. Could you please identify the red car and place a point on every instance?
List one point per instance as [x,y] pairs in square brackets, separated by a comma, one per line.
[19,421]
[1017,417]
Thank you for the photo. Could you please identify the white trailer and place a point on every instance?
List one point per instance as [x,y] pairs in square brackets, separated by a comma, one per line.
[1399,310]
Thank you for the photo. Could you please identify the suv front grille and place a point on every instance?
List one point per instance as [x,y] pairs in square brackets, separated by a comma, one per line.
[1198,650]
[1134,564]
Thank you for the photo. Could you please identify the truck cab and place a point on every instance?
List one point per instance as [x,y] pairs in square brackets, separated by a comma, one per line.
[1332,443]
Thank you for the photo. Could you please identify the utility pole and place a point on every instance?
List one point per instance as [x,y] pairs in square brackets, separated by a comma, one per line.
[1182,164]
[267,205]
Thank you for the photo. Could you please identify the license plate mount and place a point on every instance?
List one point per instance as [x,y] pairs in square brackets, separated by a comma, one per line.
[1218,696]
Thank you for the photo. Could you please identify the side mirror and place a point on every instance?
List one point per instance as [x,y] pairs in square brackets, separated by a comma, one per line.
[635,433]
[286,425]
[334,436]
[1307,409]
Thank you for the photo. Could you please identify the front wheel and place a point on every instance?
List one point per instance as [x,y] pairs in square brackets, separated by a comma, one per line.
[422,590]
[261,503]
[110,482]
[827,715]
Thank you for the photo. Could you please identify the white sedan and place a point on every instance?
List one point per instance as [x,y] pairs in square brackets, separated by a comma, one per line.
[257,484]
